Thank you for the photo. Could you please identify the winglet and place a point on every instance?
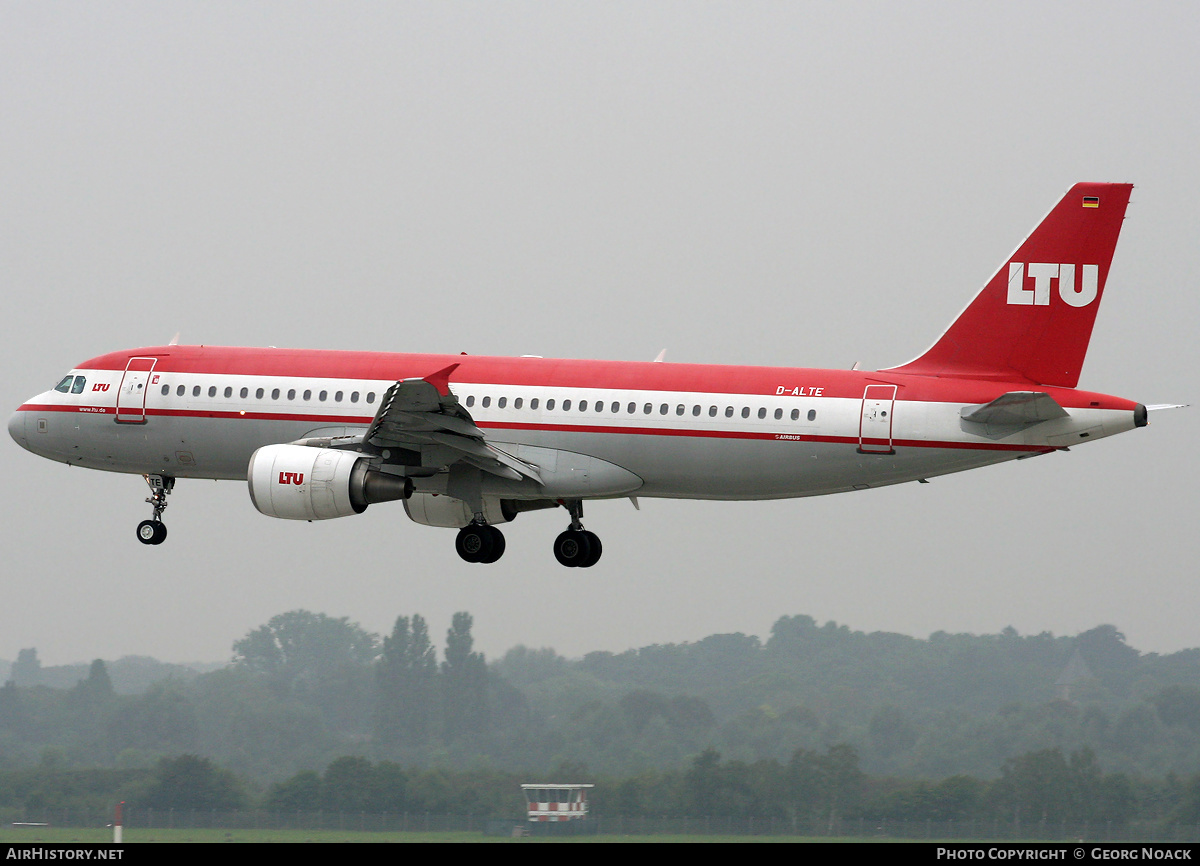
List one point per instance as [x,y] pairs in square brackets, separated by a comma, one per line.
[441,379]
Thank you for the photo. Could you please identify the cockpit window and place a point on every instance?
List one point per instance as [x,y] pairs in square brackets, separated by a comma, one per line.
[65,384]
[77,388]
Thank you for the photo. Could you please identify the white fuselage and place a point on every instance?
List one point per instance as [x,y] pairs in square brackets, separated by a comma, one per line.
[815,432]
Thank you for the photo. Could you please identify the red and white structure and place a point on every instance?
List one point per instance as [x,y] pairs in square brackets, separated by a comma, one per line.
[471,442]
[556,802]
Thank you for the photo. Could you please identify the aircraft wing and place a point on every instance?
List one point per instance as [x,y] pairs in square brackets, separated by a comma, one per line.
[1015,409]
[423,414]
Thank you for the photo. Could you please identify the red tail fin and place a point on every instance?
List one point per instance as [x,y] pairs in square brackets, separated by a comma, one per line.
[1034,318]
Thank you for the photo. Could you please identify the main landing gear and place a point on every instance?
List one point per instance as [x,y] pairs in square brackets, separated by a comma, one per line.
[479,542]
[154,531]
[575,548]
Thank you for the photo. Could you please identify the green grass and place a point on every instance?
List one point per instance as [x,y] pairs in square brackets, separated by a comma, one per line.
[62,835]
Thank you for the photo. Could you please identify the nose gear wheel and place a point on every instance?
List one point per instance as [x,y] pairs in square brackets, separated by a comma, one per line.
[154,531]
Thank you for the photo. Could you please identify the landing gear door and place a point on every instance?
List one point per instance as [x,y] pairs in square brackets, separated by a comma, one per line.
[875,426]
[131,398]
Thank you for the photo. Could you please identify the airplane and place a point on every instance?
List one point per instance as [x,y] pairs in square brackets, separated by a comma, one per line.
[470,442]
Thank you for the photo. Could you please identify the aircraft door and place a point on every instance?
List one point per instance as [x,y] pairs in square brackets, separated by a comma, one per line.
[875,424]
[131,397]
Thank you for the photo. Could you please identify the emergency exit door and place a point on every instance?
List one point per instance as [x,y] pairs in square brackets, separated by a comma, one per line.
[875,423]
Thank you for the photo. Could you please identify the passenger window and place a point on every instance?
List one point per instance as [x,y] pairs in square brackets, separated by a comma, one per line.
[291,393]
[712,411]
[337,396]
[745,411]
[566,405]
[795,414]
[259,393]
[812,414]
[65,384]
[274,393]
[470,400]
[517,403]
[323,396]
[353,396]
[502,402]
[550,405]
[487,401]
[647,409]
[533,404]
[696,410]
[228,392]
[307,394]
[195,390]
[179,391]
[728,411]
[77,388]
[166,389]
[583,405]
[663,409]
[679,409]
[778,414]
[244,393]
[370,396]
[631,408]
[212,390]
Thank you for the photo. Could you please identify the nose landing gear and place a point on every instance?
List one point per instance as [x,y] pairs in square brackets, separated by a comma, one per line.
[154,531]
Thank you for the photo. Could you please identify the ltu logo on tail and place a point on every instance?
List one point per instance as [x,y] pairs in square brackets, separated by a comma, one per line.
[1042,275]
[291,477]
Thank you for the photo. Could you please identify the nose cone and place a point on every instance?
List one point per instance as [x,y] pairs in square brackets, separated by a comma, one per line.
[16,428]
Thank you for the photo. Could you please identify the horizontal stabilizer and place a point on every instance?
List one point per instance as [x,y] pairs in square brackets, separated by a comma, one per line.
[1015,409]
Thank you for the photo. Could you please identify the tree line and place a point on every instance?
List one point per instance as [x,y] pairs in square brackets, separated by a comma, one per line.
[944,725]
[820,789]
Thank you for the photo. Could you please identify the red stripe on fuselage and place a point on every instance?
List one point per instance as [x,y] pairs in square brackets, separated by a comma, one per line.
[66,407]
[543,428]
[598,375]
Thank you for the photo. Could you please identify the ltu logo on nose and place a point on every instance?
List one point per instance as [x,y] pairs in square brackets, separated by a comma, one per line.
[1042,275]
[291,477]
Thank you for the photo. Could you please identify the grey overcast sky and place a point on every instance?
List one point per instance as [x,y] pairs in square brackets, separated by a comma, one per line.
[801,184]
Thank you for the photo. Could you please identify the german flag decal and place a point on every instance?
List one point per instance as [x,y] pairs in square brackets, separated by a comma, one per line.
[1091,201]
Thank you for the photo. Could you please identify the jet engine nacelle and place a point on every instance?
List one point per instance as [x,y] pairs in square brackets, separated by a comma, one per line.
[297,482]
[432,509]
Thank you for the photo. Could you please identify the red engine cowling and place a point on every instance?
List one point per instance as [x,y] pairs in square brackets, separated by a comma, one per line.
[296,482]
